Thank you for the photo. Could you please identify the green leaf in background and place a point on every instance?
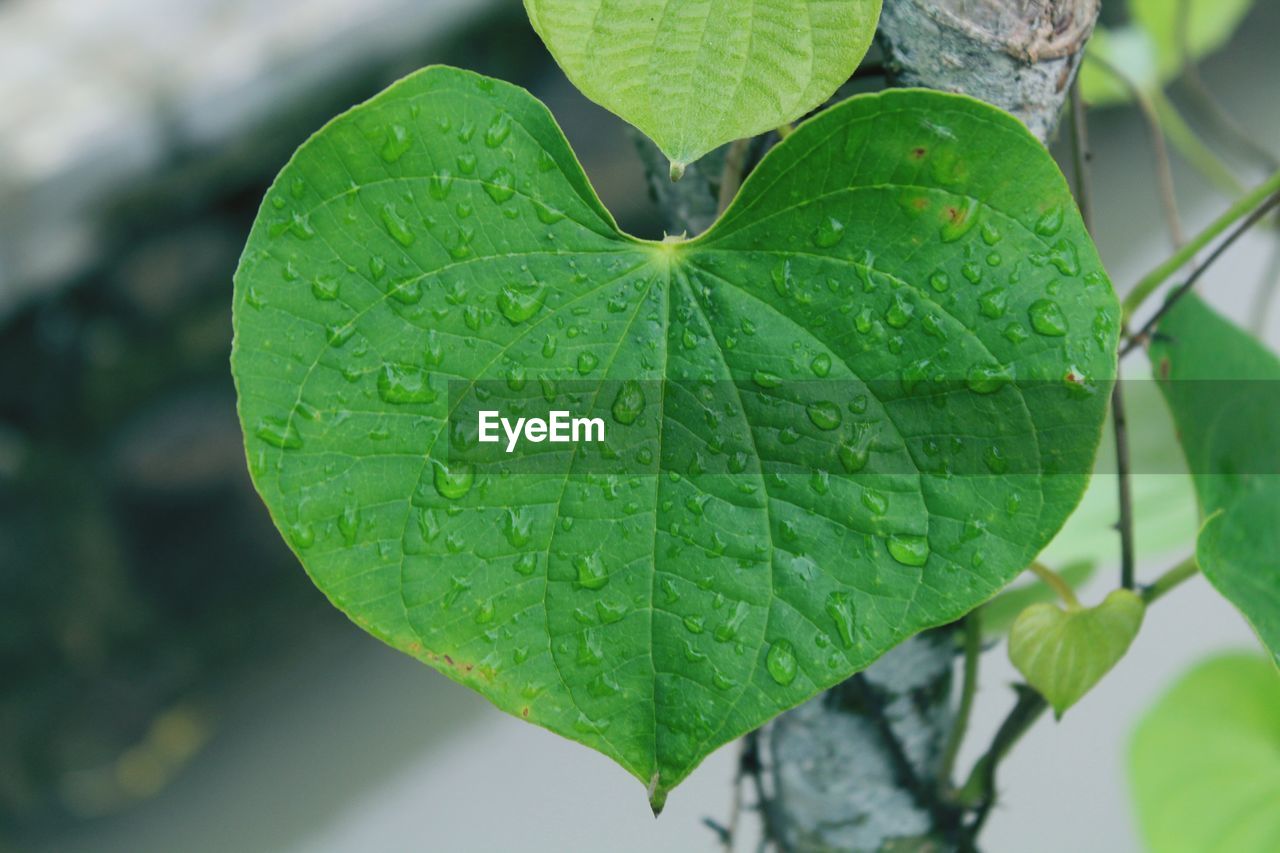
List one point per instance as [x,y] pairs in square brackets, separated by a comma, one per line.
[1150,51]
[1205,761]
[1209,25]
[999,614]
[1223,388]
[1064,653]
[695,74]
[794,483]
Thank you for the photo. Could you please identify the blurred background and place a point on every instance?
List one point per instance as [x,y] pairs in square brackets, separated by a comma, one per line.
[169,678]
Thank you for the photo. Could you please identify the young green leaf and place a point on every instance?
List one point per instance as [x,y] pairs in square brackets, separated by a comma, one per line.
[1205,761]
[1221,386]
[1063,654]
[792,483]
[695,74]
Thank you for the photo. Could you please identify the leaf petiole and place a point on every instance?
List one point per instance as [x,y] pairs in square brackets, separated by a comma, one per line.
[1054,581]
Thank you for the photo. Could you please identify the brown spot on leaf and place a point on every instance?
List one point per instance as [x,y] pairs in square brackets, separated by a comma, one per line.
[1164,368]
[524,712]
[918,153]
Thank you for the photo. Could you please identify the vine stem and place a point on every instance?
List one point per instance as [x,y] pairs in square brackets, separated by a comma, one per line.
[968,688]
[1243,206]
[980,788]
[1170,580]
[1080,151]
[1248,222]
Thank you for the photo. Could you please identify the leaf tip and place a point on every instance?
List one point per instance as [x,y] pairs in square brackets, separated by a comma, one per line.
[657,796]
[677,170]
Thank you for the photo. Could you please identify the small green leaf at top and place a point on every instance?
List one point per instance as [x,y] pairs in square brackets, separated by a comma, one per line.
[1064,653]
[695,74]
[1205,761]
[1155,46]
[1223,388]
[853,410]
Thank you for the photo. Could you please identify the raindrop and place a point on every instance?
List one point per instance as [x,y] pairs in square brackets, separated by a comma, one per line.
[324,288]
[591,571]
[909,550]
[821,364]
[840,609]
[875,501]
[396,225]
[629,403]
[517,527]
[439,185]
[519,302]
[987,379]
[900,311]
[279,432]
[349,523]
[498,131]
[526,564]
[402,384]
[453,484]
[765,379]
[1047,318]
[1050,223]
[587,362]
[828,233]
[396,144]
[500,186]
[781,662]
[546,214]
[824,414]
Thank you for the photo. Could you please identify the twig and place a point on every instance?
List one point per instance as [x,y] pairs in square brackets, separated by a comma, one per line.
[771,819]
[1123,469]
[1181,290]
[1170,580]
[1164,172]
[1152,280]
[968,687]
[980,789]
[1081,156]
[730,835]
[735,161]
[1080,149]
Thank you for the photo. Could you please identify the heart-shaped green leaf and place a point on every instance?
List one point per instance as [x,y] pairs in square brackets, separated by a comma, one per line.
[1064,653]
[792,482]
[1223,388]
[694,74]
[1205,761]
